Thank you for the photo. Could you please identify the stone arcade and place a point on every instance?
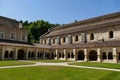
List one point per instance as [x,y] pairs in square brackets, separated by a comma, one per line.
[96,39]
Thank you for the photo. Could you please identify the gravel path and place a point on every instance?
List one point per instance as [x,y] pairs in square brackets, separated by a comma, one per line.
[59,64]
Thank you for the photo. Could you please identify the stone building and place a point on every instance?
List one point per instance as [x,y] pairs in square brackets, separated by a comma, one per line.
[14,43]
[96,39]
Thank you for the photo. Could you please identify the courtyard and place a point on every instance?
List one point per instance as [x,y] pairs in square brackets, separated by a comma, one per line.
[58,70]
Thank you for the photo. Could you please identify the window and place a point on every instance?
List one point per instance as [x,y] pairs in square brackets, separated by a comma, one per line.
[64,40]
[91,36]
[44,41]
[76,38]
[111,34]
[53,41]
[23,38]
[13,36]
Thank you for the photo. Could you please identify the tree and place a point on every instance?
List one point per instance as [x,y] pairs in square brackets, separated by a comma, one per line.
[36,29]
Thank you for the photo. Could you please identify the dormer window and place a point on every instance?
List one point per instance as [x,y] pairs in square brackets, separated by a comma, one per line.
[23,38]
[1,35]
[54,41]
[13,35]
[76,38]
[91,36]
[111,34]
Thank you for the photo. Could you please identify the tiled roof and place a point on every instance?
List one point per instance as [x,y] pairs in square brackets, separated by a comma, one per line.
[21,44]
[80,29]
[8,22]
[108,16]
[89,45]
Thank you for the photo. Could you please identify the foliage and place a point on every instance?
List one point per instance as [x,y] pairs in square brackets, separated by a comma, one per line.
[37,28]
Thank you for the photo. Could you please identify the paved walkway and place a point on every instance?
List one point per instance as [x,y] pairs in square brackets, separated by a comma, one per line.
[59,64]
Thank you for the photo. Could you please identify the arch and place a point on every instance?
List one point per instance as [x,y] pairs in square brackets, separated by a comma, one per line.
[62,55]
[32,54]
[47,55]
[72,55]
[29,54]
[81,55]
[38,54]
[68,55]
[11,54]
[93,55]
[104,56]
[6,54]
[111,34]
[59,55]
[21,54]
[119,56]
[110,55]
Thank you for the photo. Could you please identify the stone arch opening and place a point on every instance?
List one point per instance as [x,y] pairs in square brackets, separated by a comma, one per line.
[72,55]
[81,55]
[21,54]
[62,55]
[32,54]
[6,54]
[93,55]
[47,55]
[110,55]
[119,56]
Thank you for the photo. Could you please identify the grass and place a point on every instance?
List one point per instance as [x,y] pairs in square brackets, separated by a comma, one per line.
[56,73]
[51,61]
[96,64]
[14,63]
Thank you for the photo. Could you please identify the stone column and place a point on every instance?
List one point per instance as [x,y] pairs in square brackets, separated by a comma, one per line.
[74,53]
[98,55]
[44,54]
[36,52]
[56,52]
[65,54]
[16,53]
[115,55]
[86,55]
[3,51]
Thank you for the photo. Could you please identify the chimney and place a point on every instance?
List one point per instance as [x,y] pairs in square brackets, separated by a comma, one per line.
[20,25]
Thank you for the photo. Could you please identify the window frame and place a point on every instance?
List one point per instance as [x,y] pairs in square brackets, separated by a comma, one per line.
[92,37]
[111,34]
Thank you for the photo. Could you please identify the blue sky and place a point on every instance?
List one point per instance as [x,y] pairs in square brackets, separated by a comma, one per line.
[57,11]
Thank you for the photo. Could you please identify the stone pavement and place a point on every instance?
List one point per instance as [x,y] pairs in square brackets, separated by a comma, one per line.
[59,64]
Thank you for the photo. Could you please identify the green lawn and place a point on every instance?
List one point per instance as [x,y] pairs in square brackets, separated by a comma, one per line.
[14,63]
[56,73]
[51,61]
[97,64]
